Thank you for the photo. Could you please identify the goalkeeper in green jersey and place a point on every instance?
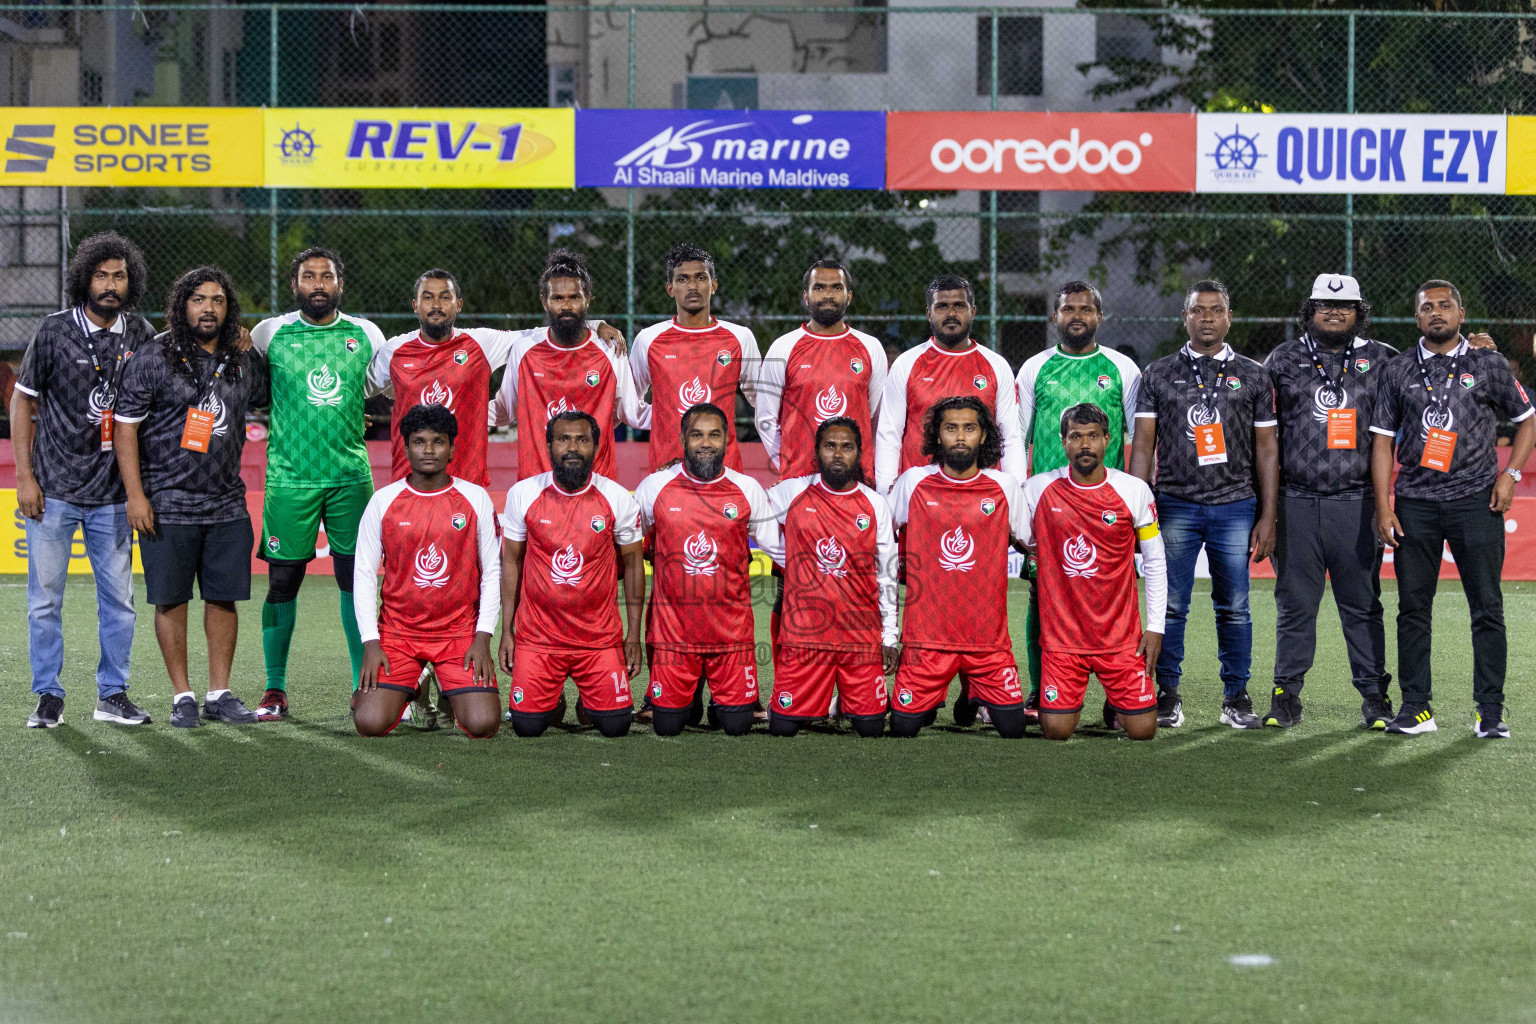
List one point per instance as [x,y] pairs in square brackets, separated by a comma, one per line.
[317,462]
[1076,370]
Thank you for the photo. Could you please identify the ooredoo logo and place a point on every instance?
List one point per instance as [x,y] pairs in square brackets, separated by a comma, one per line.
[1032,156]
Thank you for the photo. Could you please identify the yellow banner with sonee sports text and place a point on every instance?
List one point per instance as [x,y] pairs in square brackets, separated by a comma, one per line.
[413,147]
[13,541]
[133,146]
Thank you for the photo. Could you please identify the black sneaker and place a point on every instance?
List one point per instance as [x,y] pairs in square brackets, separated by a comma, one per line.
[184,713]
[1170,709]
[228,708]
[1414,717]
[1237,711]
[1032,708]
[1488,724]
[1111,720]
[965,708]
[1375,712]
[118,708]
[49,713]
[1284,710]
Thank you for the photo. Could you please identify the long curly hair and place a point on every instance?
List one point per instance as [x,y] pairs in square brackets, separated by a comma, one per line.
[91,253]
[991,451]
[180,340]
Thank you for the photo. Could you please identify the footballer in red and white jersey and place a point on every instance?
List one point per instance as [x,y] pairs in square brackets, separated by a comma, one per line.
[544,378]
[685,366]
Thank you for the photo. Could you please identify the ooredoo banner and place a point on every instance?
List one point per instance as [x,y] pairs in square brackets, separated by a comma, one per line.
[1058,152]
[1330,153]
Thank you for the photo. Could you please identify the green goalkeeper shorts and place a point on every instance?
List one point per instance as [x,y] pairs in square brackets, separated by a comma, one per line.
[291,518]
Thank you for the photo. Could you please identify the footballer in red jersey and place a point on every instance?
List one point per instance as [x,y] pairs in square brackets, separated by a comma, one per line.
[960,515]
[693,358]
[948,364]
[698,517]
[838,625]
[565,533]
[434,538]
[565,367]
[817,371]
[1084,522]
[441,364]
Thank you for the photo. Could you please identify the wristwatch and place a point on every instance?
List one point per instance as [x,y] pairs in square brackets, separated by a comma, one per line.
[1515,473]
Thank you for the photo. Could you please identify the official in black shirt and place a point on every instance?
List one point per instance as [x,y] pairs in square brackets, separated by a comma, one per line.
[1325,396]
[181,431]
[1441,403]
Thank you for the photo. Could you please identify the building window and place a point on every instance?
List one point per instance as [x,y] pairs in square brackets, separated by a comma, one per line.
[1018,238]
[1019,56]
[91,92]
[1123,37]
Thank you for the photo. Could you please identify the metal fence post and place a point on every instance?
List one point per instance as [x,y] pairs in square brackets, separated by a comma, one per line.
[629,207]
[992,209]
[272,307]
[1349,198]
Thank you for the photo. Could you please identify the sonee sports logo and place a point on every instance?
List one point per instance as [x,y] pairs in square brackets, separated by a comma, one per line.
[33,157]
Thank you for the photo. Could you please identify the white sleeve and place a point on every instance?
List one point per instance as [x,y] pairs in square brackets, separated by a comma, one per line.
[879,369]
[631,408]
[885,575]
[891,426]
[504,406]
[376,344]
[1154,571]
[764,525]
[751,362]
[645,498]
[1026,527]
[626,511]
[779,498]
[640,361]
[1008,422]
[379,379]
[1024,398]
[514,521]
[261,334]
[770,393]
[489,544]
[1020,516]
[901,496]
[365,573]
[1130,388]
[496,345]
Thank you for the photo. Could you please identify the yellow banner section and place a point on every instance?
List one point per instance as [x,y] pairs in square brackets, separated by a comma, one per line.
[13,541]
[132,146]
[414,147]
[1520,157]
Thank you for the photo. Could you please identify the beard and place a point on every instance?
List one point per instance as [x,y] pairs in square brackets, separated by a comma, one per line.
[950,336]
[567,329]
[437,331]
[319,305]
[839,479]
[704,467]
[572,474]
[958,460]
[96,305]
[1331,339]
[1080,341]
[828,314]
[205,333]
[1440,335]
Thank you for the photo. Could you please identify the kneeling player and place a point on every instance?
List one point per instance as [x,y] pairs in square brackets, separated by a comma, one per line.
[1084,521]
[434,536]
[838,627]
[559,586]
[959,515]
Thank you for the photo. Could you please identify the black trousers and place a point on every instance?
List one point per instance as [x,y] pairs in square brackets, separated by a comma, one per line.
[1318,540]
[1475,534]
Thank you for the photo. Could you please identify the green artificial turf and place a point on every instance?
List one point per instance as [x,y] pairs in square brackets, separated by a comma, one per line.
[294,872]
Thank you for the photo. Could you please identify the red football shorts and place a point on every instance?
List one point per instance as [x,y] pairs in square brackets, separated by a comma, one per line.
[1122,673]
[803,679]
[675,677]
[922,680]
[539,674]
[408,655]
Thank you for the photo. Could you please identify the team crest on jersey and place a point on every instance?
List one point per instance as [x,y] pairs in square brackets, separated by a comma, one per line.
[517,695]
[1079,558]
[351,344]
[655,689]
[431,567]
[592,378]
[691,393]
[1050,694]
[599,524]
[699,555]
[856,365]
[324,386]
[723,357]
[785,700]
[830,403]
[459,520]
[831,559]
[273,545]
[100,400]
[904,696]
[1361,365]
[1234,383]
[220,414]
[957,551]
[461,357]
[565,566]
[730,510]
[980,382]
[1468,381]
[988,506]
[861,521]
[1109,518]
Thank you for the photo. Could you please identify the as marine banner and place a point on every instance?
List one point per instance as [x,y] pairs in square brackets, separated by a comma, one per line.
[416,147]
[204,147]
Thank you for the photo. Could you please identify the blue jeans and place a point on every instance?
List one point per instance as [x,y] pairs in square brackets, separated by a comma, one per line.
[1223,531]
[109,545]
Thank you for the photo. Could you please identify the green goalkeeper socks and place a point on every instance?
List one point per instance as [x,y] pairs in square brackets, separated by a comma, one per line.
[276,636]
[354,638]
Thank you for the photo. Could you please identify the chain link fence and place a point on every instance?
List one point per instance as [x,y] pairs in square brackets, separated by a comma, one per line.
[1141,248]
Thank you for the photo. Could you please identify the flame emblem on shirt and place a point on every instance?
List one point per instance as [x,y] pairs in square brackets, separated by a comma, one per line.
[1327,397]
[1200,415]
[100,401]
[831,559]
[431,567]
[324,386]
[220,414]
[565,566]
[557,407]
[436,394]
[830,403]
[699,555]
[1435,418]
[957,551]
[1079,558]
[691,393]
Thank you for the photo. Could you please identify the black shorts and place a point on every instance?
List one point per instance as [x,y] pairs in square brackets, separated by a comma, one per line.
[217,555]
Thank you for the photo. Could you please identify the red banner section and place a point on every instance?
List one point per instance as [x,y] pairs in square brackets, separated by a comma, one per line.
[1040,152]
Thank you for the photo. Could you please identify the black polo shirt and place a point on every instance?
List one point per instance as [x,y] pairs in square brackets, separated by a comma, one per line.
[1238,394]
[1482,392]
[1303,399]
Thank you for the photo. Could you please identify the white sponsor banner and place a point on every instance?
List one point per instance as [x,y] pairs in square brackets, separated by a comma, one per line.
[1390,153]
